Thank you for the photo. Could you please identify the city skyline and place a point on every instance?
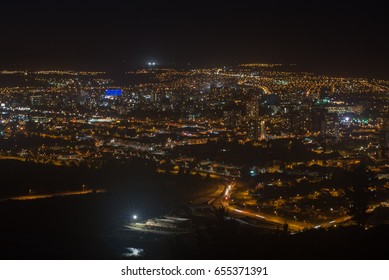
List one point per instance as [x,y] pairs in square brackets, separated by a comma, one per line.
[166,152]
[194,130]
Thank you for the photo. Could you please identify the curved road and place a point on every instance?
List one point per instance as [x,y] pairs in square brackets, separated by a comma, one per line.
[293,225]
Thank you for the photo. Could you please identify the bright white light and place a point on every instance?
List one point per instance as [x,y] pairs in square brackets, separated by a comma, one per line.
[134,217]
[133,252]
[153,63]
[149,63]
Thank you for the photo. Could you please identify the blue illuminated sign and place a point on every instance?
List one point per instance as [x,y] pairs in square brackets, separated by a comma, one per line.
[113,92]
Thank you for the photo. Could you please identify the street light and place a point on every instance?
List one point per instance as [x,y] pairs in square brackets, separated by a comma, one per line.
[134,217]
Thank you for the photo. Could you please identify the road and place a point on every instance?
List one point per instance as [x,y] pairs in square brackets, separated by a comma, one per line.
[294,226]
[236,212]
[209,198]
[4,157]
[41,196]
[217,199]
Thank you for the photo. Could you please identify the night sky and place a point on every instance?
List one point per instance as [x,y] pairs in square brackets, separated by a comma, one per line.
[324,36]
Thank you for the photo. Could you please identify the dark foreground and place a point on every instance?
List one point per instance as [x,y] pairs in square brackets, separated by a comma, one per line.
[87,228]
[91,226]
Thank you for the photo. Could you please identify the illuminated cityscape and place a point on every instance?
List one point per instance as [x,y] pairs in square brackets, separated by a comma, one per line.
[158,159]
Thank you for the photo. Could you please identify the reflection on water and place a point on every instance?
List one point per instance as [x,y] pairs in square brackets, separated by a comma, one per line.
[133,252]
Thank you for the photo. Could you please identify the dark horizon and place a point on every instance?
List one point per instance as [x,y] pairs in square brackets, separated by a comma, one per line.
[326,37]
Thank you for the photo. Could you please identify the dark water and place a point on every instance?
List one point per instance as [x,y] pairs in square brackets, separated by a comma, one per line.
[87,226]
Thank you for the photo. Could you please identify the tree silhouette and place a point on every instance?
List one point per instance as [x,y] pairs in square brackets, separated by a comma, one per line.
[221,214]
[285,229]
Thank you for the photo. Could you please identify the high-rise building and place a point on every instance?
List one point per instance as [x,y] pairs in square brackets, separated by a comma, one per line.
[385,138]
[36,100]
[330,125]
[232,117]
[253,129]
[252,108]
[252,118]
[317,119]
[262,135]
[299,121]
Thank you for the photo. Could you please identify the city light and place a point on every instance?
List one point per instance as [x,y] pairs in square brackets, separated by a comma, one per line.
[150,129]
[223,132]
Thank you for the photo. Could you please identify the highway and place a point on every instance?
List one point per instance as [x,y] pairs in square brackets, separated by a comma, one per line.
[239,213]
[294,226]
